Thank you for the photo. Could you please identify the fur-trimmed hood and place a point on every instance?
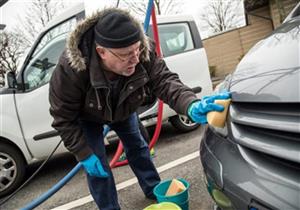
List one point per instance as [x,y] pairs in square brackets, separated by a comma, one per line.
[80,39]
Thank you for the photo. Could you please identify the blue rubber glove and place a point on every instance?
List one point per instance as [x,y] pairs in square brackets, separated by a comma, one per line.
[198,109]
[93,166]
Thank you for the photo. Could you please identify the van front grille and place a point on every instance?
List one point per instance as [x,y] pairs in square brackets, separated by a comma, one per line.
[269,128]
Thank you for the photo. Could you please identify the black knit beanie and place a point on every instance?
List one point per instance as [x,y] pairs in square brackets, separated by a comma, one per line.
[116,30]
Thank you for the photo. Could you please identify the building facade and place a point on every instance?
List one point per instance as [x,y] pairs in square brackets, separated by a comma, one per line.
[224,51]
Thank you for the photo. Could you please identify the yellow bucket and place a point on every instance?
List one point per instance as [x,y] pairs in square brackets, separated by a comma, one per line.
[163,206]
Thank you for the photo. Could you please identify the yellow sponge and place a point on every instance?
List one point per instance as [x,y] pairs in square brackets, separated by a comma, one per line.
[175,187]
[218,119]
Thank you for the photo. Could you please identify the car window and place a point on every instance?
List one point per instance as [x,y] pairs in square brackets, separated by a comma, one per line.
[41,67]
[46,55]
[174,38]
[55,32]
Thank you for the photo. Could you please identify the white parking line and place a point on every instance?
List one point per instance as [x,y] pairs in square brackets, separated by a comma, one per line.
[122,185]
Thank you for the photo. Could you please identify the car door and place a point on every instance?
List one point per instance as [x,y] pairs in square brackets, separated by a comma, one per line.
[184,54]
[33,104]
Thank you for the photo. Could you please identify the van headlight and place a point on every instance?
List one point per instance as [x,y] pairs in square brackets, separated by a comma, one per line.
[221,131]
[224,85]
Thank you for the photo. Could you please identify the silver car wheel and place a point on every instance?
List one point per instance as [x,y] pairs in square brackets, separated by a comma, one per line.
[8,171]
[183,123]
[186,121]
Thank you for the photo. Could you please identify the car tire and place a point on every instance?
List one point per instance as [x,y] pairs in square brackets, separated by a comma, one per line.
[183,123]
[12,165]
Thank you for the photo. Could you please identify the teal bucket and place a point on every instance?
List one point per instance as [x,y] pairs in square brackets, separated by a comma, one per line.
[181,199]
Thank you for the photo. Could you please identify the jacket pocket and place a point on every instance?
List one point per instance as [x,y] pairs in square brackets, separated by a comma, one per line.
[137,97]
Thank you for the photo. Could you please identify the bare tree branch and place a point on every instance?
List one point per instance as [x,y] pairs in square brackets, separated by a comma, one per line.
[222,15]
[10,52]
[138,7]
[37,15]
[13,44]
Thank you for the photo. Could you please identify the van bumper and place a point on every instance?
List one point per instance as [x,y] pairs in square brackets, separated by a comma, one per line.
[247,181]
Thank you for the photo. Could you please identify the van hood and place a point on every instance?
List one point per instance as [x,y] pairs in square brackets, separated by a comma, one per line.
[270,71]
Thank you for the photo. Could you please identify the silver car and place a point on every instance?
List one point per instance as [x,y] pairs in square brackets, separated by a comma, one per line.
[254,162]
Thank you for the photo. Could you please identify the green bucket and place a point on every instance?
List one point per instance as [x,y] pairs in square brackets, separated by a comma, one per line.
[181,199]
[163,206]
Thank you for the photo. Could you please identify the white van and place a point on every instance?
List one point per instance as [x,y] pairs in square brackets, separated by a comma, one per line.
[26,135]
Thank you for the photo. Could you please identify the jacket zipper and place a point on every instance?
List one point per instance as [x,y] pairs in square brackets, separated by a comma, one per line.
[108,105]
[107,100]
[98,100]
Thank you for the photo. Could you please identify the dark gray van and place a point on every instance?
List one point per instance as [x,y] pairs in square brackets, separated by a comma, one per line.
[254,162]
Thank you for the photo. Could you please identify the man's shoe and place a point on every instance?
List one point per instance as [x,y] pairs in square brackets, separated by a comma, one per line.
[122,157]
[151,197]
[152,152]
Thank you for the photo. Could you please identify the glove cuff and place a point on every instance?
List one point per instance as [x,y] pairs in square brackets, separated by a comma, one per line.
[189,110]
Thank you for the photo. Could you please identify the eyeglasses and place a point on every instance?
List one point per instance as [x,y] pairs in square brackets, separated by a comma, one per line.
[128,56]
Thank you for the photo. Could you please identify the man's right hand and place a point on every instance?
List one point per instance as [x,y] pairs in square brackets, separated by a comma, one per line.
[198,109]
[93,166]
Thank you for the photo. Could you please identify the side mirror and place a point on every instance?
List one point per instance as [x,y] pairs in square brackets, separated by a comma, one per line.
[11,79]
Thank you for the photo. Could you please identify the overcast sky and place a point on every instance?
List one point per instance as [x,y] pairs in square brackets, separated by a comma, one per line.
[14,8]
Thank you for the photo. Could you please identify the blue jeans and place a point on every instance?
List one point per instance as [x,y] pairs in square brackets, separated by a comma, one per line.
[104,190]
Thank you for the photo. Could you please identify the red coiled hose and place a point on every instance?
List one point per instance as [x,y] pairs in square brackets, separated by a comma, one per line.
[113,163]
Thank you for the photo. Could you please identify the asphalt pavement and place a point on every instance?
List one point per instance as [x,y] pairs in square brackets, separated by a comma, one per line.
[176,156]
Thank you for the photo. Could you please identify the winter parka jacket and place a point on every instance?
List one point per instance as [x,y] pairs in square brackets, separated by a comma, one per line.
[79,90]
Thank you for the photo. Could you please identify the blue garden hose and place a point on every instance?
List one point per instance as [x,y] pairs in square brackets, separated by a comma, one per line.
[53,189]
[70,175]
[148,15]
